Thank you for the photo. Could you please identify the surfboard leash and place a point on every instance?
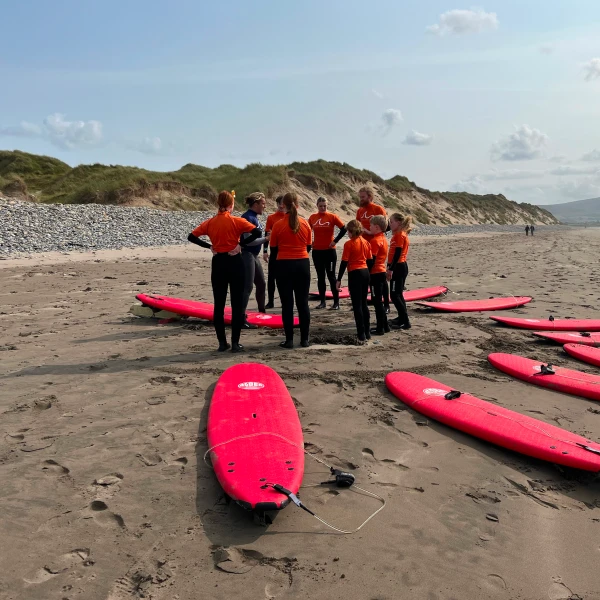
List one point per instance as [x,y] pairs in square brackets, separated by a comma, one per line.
[341,479]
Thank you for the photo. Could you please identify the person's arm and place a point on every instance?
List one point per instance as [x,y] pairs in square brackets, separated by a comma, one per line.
[196,240]
[395,259]
[343,266]
[251,237]
[274,251]
[309,248]
[370,263]
[340,235]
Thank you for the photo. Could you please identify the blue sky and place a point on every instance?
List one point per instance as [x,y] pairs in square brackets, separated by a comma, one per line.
[501,98]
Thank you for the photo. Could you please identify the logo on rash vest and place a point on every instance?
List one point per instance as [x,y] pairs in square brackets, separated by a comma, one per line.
[322,224]
[434,392]
[366,216]
[251,385]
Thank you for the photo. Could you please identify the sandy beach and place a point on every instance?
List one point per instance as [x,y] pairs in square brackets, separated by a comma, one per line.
[105,495]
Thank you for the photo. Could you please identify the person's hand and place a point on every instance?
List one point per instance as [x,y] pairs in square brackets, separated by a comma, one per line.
[235,251]
[268,235]
[332,245]
[213,250]
[265,257]
[388,275]
[338,285]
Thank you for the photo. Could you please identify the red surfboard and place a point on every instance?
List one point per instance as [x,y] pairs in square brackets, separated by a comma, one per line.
[409,295]
[573,337]
[548,325]
[204,310]
[493,423]
[584,353]
[562,380]
[255,437]
[478,305]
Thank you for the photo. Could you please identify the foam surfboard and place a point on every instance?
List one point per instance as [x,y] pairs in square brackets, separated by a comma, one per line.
[548,325]
[493,423]
[409,295]
[570,337]
[563,380]
[584,353]
[204,310]
[256,437]
[478,305]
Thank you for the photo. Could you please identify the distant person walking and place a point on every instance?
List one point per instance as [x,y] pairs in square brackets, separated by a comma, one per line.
[398,268]
[323,224]
[291,239]
[532,229]
[272,258]
[254,275]
[358,258]
[367,209]
[527,230]
[227,269]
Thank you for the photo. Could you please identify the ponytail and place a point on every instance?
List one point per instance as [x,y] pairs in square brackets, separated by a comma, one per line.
[290,201]
[406,224]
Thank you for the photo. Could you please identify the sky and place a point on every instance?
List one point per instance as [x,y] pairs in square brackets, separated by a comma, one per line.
[502,97]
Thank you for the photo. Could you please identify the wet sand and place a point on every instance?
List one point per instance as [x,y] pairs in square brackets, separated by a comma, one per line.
[105,495]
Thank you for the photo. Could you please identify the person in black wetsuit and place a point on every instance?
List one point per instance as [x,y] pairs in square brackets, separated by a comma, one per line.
[227,269]
[526,229]
[254,275]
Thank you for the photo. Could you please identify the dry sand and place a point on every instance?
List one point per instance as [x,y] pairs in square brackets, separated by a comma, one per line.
[104,494]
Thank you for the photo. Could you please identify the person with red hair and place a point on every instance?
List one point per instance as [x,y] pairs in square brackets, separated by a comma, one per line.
[227,269]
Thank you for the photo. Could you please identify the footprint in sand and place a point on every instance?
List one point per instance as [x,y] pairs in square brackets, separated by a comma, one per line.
[150,460]
[51,466]
[559,591]
[79,556]
[98,510]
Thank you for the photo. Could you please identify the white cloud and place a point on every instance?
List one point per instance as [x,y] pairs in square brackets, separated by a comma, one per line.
[524,144]
[495,175]
[377,94]
[414,138]
[593,156]
[547,49]
[581,189]
[149,145]
[60,132]
[390,117]
[574,170]
[559,158]
[458,22]
[592,69]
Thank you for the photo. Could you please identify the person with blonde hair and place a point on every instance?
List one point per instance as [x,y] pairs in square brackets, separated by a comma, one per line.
[323,224]
[379,247]
[358,258]
[397,269]
[366,210]
[291,239]
[227,269]
[254,275]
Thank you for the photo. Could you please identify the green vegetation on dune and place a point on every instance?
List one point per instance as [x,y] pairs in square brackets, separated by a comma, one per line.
[46,179]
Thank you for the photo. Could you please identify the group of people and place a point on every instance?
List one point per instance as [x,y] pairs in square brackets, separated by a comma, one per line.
[374,265]
[529,228]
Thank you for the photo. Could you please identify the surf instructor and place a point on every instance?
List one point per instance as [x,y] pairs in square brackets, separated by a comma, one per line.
[227,269]
[366,210]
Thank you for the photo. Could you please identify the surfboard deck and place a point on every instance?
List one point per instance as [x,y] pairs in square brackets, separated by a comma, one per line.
[409,295]
[205,310]
[251,400]
[567,381]
[547,325]
[478,305]
[570,337]
[493,423]
[584,353]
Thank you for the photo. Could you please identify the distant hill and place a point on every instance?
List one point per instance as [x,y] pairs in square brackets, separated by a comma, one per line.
[580,211]
[193,187]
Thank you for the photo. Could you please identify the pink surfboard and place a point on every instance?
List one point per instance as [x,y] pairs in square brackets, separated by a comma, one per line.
[548,325]
[204,310]
[584,353]
[567,381]
[570,337]
[478,305]
[493,423]
[255,436]
[409,295]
